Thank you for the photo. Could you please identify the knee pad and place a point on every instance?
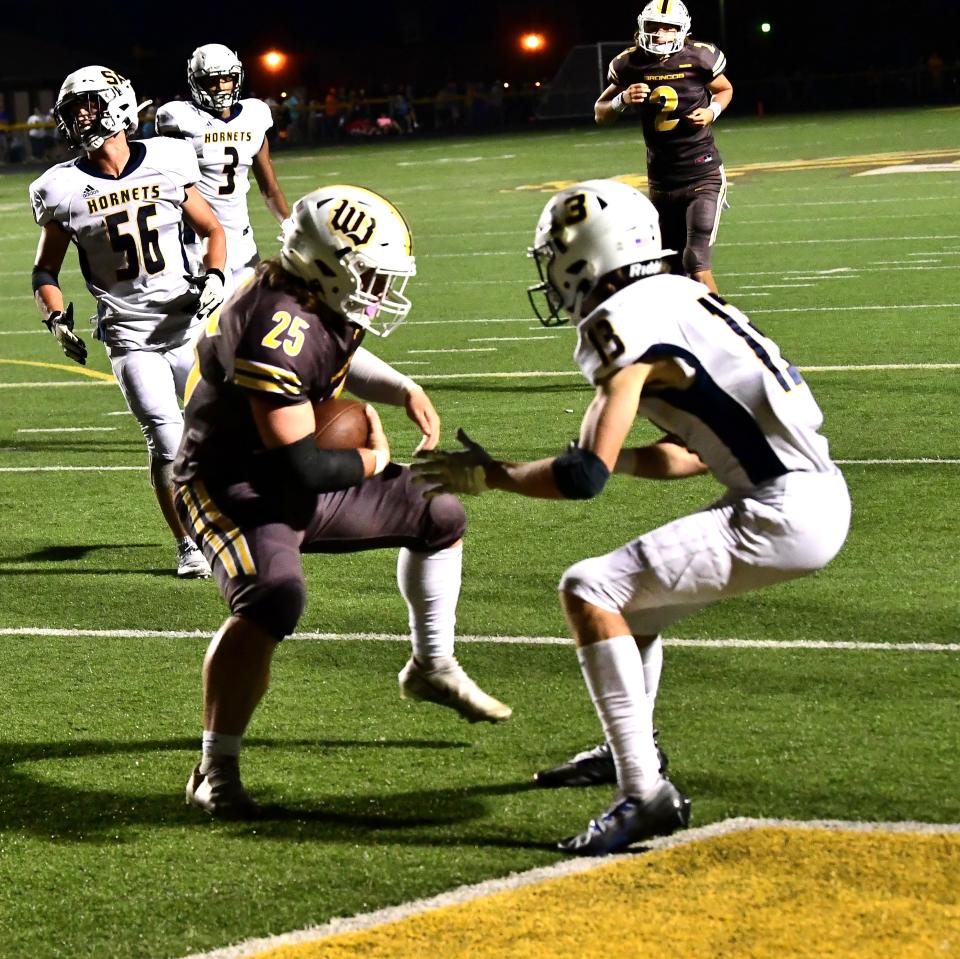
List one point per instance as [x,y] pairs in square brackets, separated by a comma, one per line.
[274,605]
[446,522]
[161,473]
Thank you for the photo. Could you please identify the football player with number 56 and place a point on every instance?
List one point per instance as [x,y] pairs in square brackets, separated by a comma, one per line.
[667,349]
[123,204]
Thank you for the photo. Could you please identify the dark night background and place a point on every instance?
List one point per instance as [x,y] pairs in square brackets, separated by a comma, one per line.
[430,43]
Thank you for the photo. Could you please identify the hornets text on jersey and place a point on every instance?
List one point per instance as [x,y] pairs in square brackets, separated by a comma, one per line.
[743,409]
[677,151]
[128,232]
[225,150]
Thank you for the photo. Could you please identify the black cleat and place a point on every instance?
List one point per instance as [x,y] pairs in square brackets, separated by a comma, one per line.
[592,767]
[631,820]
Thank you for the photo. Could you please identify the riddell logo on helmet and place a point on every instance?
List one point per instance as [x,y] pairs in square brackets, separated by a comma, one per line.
[354,224]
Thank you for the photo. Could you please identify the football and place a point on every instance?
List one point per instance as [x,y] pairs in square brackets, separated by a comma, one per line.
[341,424]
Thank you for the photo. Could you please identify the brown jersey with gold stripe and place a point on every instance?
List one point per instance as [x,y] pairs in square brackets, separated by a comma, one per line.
[677,151]
[263,342]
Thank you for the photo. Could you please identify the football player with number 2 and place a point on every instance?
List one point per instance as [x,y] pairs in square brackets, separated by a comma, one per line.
[679,88]
[229,136]
[667,349]
[123,204]
[256,492]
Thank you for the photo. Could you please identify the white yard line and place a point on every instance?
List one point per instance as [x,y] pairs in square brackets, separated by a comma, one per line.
[805,644]
[566,867]
[71,429]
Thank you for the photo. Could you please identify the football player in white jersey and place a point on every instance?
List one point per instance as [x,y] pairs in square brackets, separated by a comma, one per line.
[664,348]
[123,204]
[229,137]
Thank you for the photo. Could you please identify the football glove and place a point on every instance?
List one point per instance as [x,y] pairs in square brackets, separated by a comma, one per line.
[60,324]
[460,471]
[211,286]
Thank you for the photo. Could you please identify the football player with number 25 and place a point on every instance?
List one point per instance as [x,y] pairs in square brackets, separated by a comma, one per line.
[229,136]
[667,349]
[256,492]
[123,204]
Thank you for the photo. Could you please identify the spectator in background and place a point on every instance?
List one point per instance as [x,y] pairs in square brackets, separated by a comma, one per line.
[331,115]
[38,133]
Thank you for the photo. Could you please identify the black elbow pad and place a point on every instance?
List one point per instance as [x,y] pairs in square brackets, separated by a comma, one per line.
[580,474]
[319,471]
[43,278]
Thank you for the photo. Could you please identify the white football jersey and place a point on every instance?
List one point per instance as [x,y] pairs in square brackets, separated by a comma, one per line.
[225,150]
[129,236]
[743,409]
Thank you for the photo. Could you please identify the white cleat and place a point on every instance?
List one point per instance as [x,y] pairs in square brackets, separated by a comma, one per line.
[191,563]
[449,685]
[220,793]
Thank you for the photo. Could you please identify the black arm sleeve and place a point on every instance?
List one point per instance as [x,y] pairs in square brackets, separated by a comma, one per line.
[44,278]
[319,471]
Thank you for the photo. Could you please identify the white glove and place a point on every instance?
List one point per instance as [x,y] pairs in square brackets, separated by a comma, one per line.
[461,471]
[60,324]
[211,285]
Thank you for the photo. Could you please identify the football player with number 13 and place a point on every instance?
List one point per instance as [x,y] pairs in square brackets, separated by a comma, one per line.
[123,204]
[666,349]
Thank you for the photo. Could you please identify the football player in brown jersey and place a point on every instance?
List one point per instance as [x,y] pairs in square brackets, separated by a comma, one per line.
[678,87]
[256,492]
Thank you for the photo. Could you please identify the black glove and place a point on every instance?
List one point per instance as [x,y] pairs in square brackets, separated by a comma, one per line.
[60,324]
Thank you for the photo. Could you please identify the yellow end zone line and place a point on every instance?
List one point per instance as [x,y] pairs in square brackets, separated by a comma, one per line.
[774,166]
[72,368]
[538,912]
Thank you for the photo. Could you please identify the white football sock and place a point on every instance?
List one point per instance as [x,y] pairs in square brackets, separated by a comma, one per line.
[217,745]
[652,656]
[613,672]
[430,583]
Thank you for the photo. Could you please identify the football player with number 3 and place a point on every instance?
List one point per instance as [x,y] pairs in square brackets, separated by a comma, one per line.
[229,136]
[123,204]
[667,349]
[678,87]
[257,492]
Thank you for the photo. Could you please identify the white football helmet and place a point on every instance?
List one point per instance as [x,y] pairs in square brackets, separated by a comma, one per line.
[214,60]
[354,248]
[672,12]
[107,100]
[585,233]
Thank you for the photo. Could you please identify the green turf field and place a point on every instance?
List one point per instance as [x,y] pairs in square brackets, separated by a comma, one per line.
[383,801]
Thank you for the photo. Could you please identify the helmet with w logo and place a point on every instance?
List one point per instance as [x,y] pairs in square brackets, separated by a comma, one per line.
[354,248]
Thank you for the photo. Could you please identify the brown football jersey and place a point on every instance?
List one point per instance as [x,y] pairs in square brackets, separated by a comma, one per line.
[263,342]
[677,151]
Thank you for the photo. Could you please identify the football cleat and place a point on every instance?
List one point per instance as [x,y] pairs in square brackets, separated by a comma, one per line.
[191,563]
[592,767]
[220,793]
[632,820]
[449,685]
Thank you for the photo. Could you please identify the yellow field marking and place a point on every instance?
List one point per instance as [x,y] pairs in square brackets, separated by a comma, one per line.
[765,893]
[73,368]
[776,166]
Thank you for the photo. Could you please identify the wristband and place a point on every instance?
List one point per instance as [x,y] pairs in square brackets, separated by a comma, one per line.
[380,459]
[217,272]
[618,103]
[715,108]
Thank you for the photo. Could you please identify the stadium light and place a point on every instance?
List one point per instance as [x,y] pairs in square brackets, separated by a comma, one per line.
[533,42]
[765,28]
[274,60]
